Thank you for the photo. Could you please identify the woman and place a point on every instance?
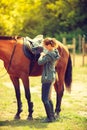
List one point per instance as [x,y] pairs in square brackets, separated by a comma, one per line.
[48,75]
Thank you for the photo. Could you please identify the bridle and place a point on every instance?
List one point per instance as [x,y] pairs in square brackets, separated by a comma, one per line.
[15,38]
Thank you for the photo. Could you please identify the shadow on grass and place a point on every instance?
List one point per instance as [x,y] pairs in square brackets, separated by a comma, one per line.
[35,123]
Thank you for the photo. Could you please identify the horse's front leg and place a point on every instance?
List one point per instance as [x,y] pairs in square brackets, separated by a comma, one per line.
[15,82]
[25,81]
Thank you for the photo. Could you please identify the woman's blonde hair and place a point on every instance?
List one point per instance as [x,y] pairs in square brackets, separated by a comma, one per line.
[51,41]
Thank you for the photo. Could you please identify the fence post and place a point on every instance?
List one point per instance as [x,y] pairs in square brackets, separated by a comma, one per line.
[74,43]
[83,50]
[64,40]
[80,46]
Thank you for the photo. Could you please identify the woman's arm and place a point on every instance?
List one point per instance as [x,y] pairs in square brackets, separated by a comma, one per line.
[44,58]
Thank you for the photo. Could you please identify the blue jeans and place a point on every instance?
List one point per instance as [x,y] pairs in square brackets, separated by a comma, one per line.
[45,92]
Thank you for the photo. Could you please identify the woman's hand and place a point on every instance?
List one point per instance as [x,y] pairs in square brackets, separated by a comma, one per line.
[42,54]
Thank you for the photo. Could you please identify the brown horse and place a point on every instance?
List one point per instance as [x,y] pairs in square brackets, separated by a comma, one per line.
[19,66]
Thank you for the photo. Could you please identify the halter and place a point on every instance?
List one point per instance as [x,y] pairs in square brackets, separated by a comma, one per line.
[15,38]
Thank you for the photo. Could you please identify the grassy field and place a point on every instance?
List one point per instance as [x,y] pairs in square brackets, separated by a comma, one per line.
[74,106]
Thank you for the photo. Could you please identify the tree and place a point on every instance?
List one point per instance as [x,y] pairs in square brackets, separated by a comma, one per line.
[49,17]
[13,15]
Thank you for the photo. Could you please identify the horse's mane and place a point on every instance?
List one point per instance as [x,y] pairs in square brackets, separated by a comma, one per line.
[9,37]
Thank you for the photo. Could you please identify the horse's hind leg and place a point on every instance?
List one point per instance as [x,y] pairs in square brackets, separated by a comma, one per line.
[59,94]
[15,82]
[58,102]
[25,81]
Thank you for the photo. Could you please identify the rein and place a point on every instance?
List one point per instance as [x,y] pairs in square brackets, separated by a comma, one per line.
[10,58]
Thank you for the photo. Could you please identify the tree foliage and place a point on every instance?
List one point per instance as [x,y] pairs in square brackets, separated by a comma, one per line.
[48,17]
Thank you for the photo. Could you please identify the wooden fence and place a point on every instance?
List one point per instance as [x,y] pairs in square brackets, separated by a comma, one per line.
[82,48]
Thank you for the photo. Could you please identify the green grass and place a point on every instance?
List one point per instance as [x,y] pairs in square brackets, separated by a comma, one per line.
[74,106]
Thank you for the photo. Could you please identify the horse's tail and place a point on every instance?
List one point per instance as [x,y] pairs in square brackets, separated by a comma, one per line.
[68,74]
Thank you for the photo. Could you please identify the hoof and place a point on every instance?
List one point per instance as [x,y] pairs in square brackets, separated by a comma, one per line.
[56,116]
[29,118]
[17,117]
